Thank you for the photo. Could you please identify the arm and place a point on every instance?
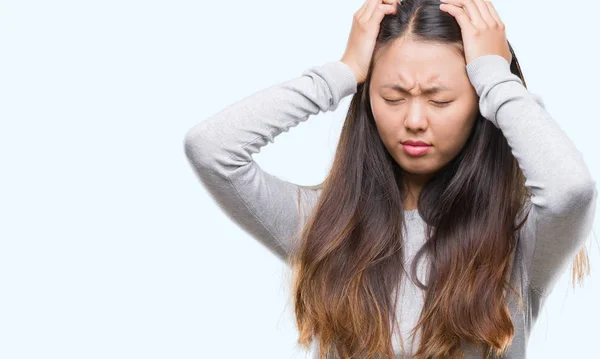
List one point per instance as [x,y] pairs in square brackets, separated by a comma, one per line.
[220,151]
[563,190]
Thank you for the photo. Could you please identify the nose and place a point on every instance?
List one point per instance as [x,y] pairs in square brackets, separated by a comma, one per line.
[416,119]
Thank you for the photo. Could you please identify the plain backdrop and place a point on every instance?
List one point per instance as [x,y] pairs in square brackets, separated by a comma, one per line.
[110,247]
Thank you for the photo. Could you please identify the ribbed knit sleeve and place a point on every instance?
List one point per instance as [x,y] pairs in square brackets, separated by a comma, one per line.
[563,190]
[220,150]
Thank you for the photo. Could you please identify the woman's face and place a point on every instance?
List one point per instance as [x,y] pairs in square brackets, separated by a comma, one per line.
[413,113]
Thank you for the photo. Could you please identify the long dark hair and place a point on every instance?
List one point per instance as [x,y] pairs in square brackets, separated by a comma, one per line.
[348,263]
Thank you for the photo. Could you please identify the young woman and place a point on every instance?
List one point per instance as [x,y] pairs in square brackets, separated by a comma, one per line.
[454,201]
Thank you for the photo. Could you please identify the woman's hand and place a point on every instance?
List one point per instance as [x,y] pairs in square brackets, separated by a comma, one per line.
[365,27]
[482,30]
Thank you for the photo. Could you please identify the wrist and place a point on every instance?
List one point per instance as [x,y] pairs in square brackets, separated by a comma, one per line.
[354,70]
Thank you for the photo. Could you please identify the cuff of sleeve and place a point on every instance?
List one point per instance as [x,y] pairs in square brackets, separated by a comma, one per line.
[340,79]
[488,69]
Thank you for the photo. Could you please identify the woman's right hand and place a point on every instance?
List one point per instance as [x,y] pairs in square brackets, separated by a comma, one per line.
[365,28]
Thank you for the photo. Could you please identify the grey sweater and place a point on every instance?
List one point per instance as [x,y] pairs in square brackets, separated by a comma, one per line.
[272,210]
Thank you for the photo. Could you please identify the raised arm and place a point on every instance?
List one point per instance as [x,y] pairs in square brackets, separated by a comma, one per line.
[220,151]
[563,190]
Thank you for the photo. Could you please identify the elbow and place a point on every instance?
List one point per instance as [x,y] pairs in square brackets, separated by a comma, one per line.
[585,190]
[190,141]
[577,197]
[589,192]
[196,146]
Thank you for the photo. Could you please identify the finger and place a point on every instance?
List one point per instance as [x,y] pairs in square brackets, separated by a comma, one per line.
[470,9]
[485,13]
[394,3]
[380,12]
[494,13]
[460,15]
[360,11]
[371,6]
[391,2]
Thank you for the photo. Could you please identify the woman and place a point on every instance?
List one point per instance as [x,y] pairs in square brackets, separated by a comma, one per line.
[454,201]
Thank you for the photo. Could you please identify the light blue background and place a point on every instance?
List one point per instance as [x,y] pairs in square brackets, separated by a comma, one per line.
[109,245]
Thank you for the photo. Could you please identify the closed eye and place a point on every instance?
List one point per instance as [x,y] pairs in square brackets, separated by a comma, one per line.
[441,104]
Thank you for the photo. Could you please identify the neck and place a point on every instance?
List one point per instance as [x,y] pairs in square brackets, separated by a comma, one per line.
[413,183]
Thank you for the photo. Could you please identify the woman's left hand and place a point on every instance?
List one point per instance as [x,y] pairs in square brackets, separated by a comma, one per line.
[482,30]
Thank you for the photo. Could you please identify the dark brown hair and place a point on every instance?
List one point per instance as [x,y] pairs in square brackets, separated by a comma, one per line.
[348,263]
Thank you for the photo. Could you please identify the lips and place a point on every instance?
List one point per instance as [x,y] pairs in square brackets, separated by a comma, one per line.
[415,143]
[415,150]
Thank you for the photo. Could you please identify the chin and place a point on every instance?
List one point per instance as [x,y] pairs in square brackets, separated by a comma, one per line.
[418,169]
[424,172]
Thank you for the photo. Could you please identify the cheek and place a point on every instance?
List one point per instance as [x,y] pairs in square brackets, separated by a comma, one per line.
[453,134]
[385,121]
[378,110]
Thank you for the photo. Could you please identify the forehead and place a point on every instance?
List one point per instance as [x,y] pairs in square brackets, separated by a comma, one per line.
[407,61]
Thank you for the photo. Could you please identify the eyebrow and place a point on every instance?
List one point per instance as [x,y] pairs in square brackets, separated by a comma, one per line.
[428,90]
